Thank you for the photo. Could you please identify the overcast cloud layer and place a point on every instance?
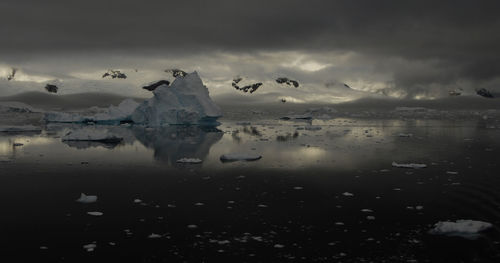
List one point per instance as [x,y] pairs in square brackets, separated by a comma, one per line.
[397,48]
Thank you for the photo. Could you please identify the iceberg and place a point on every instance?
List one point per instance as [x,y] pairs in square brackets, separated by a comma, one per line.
[111,115]
[185,101]
[469,229]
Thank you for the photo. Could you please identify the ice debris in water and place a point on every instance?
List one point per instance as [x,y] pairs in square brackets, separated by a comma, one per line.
[189,160]
[347,194]
[185,101]
[92,134]
[409,165]
[87,199]
[153,235]
[95,213]
[461,228]
[111,115]
[89,247]
[232,157]
[23,128]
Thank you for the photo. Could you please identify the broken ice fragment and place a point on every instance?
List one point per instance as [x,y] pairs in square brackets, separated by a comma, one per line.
[192,226]
[189,160]
[89,247]
[279,246]
[347,194]
[232,157]
[153,235]
[469,229]
[95,213]
[409,165]
[87,199]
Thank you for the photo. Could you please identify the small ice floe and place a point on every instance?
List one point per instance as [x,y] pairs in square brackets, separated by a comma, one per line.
[409,165]
[192,226]
[153,235]
[91,134]
[339,223]
[87,199]
[137,201]
[279,246]
[347,194]
[405,135]
[451,172]
[469,229]
[89,247]
[366,210]
[370,218]
[44,247]
[95,213]
[232,157]
[23,128]
[189,160]
[298,188]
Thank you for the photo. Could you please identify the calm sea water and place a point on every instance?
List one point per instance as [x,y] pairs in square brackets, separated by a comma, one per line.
[324,191]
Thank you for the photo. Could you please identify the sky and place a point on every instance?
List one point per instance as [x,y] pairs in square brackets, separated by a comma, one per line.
[403,49]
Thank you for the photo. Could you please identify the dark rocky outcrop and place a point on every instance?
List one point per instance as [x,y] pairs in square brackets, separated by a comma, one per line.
[484,93]
[287,81]
[176,72]
[156,84]
[114,74]
[12,74]
[51,88]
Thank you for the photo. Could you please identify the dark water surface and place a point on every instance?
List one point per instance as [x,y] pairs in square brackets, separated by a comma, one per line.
[292,205]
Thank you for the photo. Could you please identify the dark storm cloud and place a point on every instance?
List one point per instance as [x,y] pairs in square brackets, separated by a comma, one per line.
[441,41]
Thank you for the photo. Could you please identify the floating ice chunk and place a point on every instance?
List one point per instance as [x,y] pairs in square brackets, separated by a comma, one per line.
[232,157]
[185,101]
[451,172]
[366,210]
[347,194]
[153,235]
[92,134]
[23,128]
[95,213]
[189,160]
[409,165]
[279,246]
[87,199]
[192,226]
[89,247]
[461,228]
[405,135]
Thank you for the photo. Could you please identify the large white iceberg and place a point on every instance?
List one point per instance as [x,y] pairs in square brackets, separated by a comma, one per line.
[185,101]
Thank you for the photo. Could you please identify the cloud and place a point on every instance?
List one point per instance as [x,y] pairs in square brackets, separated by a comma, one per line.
[418,48]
